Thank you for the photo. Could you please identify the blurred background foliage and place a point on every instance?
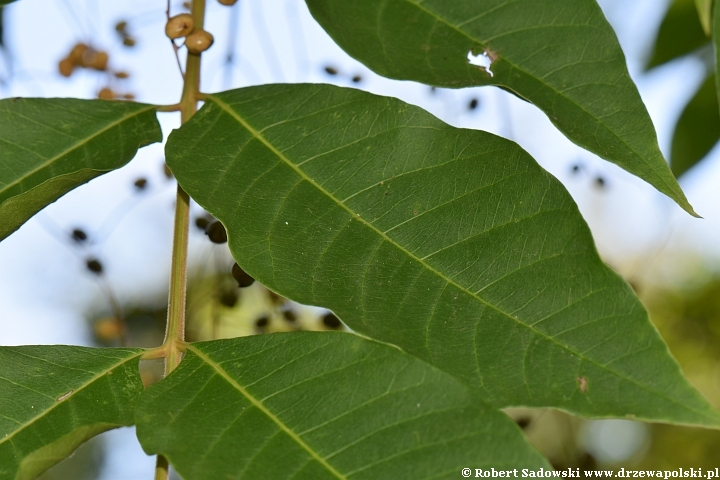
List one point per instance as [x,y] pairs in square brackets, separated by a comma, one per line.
[225,302]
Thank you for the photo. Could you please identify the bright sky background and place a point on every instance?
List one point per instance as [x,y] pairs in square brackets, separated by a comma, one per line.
[45,290]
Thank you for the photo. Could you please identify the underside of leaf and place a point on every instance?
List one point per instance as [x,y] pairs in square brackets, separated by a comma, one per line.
[452,244]
[54,398]
[561,55]
[50,146]
[311,405]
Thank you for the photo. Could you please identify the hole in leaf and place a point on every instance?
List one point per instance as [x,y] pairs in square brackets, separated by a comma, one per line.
[483,60]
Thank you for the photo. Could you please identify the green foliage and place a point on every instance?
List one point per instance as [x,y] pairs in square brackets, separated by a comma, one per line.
[560,55]
[680,33]
[335,405]
[50,146]
[53,398]
[440,240]
[697,130]
[467,267]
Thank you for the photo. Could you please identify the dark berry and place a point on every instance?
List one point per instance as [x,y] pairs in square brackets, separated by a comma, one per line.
[229,298]
[94,266]
[357,79]
[290,316]
[331,70]
[79,235]
[202,223]
[331,321]
[523,422]
[473,104]
[140,183]
[262,322]
[216,233]
[241,276]
[600,182]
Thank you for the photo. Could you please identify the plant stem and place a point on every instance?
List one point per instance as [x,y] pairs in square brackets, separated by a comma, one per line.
[175,329]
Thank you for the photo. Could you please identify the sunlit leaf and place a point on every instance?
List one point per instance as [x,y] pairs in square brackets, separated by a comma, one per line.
[704,10]
[451,243]
[53,398]
[321,405]
[697,130]
[50,146]
[561,55]
[680,33]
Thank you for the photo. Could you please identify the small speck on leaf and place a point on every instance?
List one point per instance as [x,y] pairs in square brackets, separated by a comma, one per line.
[582,384]
[64,396]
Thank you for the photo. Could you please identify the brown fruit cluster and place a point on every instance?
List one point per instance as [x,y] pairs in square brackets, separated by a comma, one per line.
[122,29]
[183,25]
[107,93]
[83,56]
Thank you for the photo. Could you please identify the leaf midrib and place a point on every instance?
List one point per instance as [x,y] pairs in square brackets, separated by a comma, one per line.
[549,86]
[225,107]
[259,405]
[75,392]
[82,142]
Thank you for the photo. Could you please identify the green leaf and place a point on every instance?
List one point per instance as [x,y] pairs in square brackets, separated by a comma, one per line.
[451,243]
[321,405]
[54,398]
[716,46]
[561,55]
[704,10]
[50,146]
[697,130]
[680,33]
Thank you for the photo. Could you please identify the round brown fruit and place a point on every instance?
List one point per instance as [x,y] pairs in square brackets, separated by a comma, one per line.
[66,67]
[179,26]
[227,2]
[106,94]
[77,52]
[199,41]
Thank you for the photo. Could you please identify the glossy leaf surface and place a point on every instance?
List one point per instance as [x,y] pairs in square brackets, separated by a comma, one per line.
[561,55]
[451,243]
[321,405]
[697,130]
[53,398]
[50,146]
[680,33]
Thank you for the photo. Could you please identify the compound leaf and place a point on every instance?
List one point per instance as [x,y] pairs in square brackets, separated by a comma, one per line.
[321,405]
[561,55]
[450,243]
[50,146]
[54,398]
